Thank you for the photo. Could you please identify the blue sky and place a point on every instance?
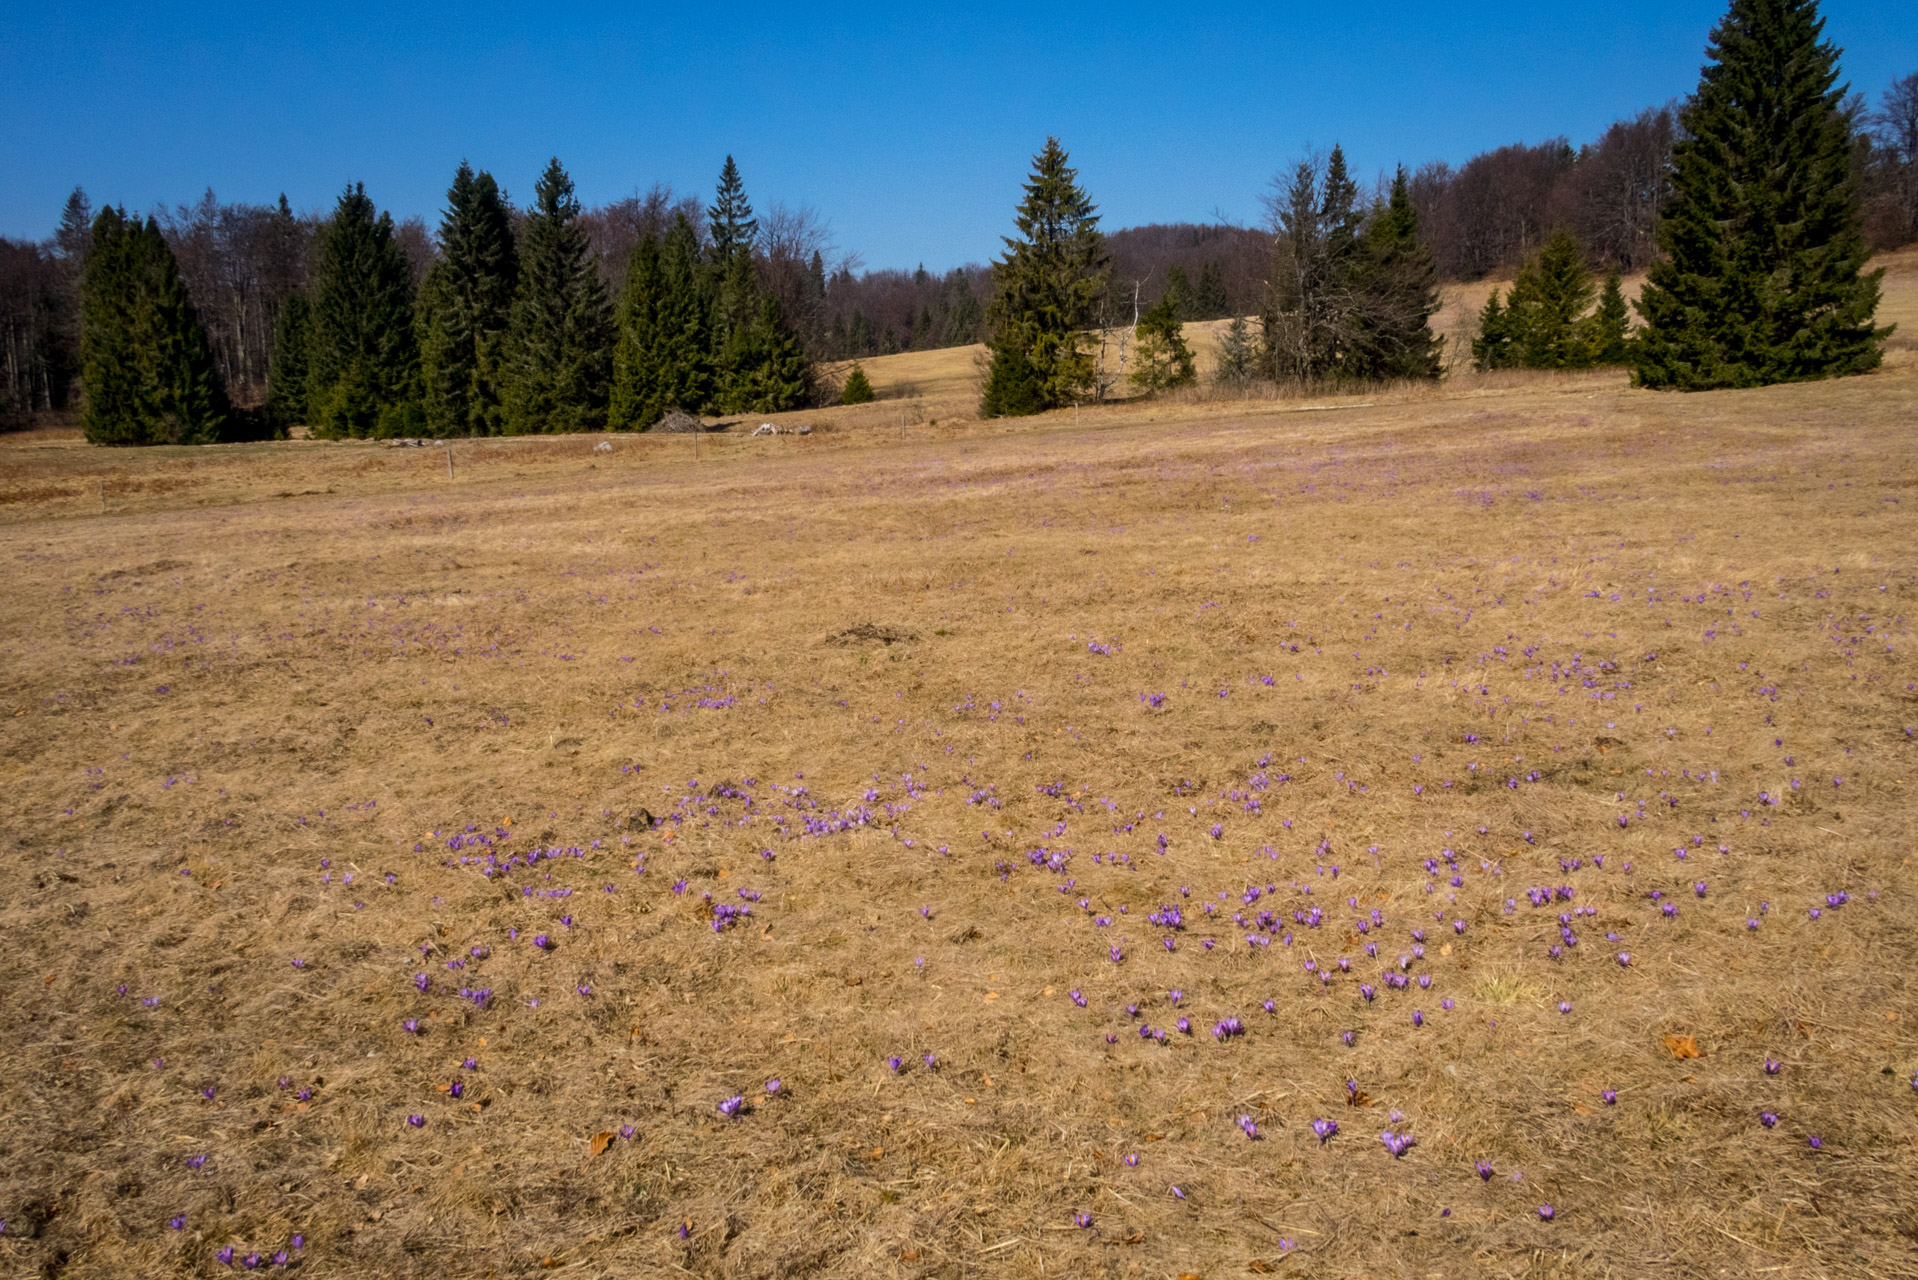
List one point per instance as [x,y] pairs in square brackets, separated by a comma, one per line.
[908,130]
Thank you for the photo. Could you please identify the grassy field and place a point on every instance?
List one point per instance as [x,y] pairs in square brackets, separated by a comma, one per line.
[1066,816]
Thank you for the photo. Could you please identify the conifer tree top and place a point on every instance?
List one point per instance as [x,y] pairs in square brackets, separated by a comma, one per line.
[731,216]
[1056,209]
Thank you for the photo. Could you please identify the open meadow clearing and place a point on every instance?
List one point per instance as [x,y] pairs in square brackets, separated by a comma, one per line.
[1466,832]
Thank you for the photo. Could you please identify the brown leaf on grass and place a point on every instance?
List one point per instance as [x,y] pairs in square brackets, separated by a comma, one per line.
[1358,1098]
[853,982]
[909,1255]
[601,1140]
[1259,1266]
[1682,1047]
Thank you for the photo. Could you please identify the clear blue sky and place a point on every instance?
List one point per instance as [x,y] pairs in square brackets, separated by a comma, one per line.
[909,130]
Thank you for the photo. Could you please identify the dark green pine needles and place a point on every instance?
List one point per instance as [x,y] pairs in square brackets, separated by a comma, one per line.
[560,343]
[362,373]
[466,307]
[1045,287]
[145,363]
[1761,278]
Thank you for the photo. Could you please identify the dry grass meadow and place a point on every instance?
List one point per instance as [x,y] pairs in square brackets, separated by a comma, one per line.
[1521,763]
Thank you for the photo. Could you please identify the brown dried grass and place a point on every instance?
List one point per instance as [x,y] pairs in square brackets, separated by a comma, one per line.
[457,652]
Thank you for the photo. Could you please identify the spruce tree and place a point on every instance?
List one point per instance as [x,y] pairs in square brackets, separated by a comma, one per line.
[286,376]
[1493,348]
[1045,287]
[1179,289]
[1545,312]
[466,307]
[1015,387]
[1397,283]
[145,363]
[638,397]
[1162,359]
[685,322]
[1238,361]
[363,364]
[1610,340]
[858,388]
[765,365]
[1209,300]
[1760,278]
[559,344]
[729,220]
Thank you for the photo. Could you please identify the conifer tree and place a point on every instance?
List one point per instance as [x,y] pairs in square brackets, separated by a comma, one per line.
[466,307]
[362,375]
[1045,286]
[560,342]
[1179,288]
[1397,281]
[145,363]
[286,377]
[1545,311]
[1493,348]
[1610,338]
[685,365]
[858,388]
[1238,359]
[1015,387]
[639,353]
[1760,279]
[765,367]
[1209,301]
[1162,359]
[729,219]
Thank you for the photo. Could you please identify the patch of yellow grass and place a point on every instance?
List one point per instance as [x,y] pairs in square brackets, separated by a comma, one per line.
[1418,653]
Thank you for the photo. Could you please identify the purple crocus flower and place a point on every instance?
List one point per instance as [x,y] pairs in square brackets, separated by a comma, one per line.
[1082,1220]
[411,1025]
[1816,1143]
[1610,1096]
[542,942]
[1772,1065]
[1326,1129]
[1132,1160]
[773,1086]
[1768,1118]
[177,1222]
[418,1122]
[895,1062]
[732,1106]
[1546,1213]
[225,1255]
[457,1089]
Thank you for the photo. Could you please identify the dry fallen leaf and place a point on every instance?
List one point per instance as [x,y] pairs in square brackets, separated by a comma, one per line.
[1446,950]
[1259,1266]
[1682,1047]
[602,1140]
[1358,1098]
[909,1255]
[1137,1237]
[853,982]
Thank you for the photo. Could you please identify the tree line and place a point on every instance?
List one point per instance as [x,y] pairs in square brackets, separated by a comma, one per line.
[1755,268]
[463,361]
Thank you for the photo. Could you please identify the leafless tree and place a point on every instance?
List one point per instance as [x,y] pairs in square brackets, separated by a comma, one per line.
[1892,216]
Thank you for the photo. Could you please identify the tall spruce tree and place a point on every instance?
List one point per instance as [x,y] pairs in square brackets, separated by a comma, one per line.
[1044,289]
[466,307]
[559,345]
[145,363]
[1315,299]
[729,220]
[1761,276]
[685,361]
[1398,281]
[287,367]
[638,397]
[362,375]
